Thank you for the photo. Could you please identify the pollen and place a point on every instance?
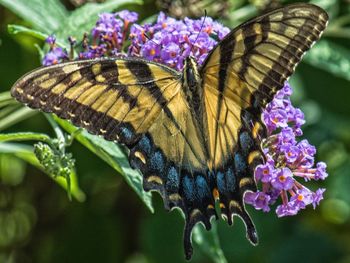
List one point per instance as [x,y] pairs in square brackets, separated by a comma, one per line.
[282,178]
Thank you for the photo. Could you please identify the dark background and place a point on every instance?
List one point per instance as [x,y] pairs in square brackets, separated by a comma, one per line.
[38,223]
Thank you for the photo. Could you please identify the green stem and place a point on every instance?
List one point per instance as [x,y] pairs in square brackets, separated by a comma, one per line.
[341,21]
[337,32]
[25,152]
[17,116]
[6,111]
[5,96]
[59,133]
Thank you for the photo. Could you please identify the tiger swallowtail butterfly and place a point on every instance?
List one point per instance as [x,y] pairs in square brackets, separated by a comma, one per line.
[195,135]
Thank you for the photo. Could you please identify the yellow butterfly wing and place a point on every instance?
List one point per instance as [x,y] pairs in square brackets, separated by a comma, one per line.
[240,76]
[140,104]
[130,101]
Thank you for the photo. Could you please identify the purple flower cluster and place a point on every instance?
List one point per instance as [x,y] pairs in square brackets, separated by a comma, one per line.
[170,41]
[287,160]
[56,54]
[109,34]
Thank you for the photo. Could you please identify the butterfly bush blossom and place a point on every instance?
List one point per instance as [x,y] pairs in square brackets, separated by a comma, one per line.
[170,41]
[288,161]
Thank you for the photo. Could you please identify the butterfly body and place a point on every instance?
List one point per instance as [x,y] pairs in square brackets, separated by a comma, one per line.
[195,135]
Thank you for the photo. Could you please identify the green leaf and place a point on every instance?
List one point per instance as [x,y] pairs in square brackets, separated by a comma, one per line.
[84,18]
[25,136]
[26,153]
[115,156]
[7,100]
[16,29]
[16,116]
[45,16]
[330,57]
[331,6]
[208,242]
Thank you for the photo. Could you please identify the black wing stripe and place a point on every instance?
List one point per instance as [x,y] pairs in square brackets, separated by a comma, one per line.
[273,76]
[142,72]
[158,99]
[223,66]
[230,90]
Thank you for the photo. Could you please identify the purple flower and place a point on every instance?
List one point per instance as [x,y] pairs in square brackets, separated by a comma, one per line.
[106,26]
[264,172]
[94,52]
[287,159]
[170,53]
[176,40]
[320,173]
[302,198]
[291,153]
[317,197]
[56,54]
[283,179]
[275,119]
[286,210]
[128,16]
[110,33]
[150,50]
[286,136]
[259,200]
[51,40]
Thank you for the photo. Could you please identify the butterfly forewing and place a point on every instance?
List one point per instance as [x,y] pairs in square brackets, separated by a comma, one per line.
[251,64]
[240,76]
[104,95]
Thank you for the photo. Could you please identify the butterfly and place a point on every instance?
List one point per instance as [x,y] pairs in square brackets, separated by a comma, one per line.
[195,135]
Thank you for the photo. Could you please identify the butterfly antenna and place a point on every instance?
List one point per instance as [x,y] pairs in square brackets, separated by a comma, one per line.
[205,16]
[150,39]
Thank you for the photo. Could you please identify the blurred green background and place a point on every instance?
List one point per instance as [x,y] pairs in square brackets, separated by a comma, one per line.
[110,223]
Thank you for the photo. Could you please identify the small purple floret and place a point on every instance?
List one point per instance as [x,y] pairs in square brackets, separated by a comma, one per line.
[51,40]
[259,200]
[56,54]
[321,173]
[128,16]
[282,179]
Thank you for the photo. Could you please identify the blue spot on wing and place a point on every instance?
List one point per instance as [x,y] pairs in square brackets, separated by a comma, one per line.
[145,145]
[202,187]
[188,188]
[246,142]
[230,180]
[220,182]
[240,163]
[173,180]
[126,133]
[157,161]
